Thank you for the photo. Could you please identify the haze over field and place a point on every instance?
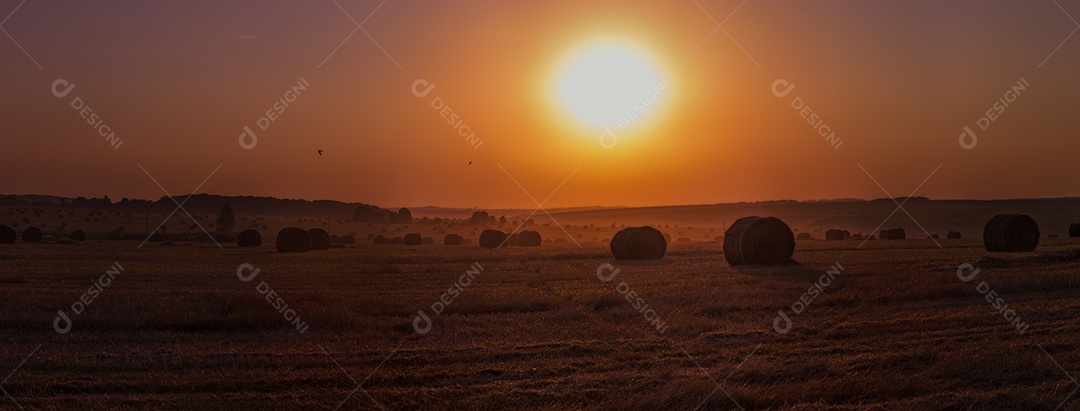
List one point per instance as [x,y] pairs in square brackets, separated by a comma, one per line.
[896,82]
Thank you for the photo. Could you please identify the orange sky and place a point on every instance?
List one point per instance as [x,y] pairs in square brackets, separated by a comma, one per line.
[896,81]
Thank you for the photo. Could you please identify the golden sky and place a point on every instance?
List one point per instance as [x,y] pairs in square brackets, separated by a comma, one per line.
[897,82]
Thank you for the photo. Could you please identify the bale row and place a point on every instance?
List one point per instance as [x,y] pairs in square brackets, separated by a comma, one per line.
[758,241]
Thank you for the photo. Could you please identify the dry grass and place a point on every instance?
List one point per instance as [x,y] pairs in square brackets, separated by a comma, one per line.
[535,330]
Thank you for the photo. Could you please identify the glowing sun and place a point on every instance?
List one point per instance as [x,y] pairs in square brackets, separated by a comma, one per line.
[609,84]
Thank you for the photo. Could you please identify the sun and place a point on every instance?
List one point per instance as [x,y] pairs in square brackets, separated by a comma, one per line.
[609,84]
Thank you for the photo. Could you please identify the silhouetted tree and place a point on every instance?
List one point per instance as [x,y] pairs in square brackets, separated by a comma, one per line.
[226,220]
[479,217]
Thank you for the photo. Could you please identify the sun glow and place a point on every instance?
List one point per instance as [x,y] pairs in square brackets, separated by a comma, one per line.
[610,84]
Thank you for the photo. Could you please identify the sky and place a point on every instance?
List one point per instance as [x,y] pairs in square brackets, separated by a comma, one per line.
[739,116]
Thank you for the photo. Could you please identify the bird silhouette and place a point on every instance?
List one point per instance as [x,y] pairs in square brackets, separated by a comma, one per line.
[320,152]
[470,163]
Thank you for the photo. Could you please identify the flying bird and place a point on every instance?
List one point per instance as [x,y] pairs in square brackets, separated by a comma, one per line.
[320,152]
[470,162]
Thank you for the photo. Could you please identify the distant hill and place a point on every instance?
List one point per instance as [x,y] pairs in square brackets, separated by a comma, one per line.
[197,204]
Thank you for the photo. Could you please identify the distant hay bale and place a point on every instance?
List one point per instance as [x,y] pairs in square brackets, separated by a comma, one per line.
[453,239]
[1074,230]
[397,241]
[871,237]
[1011,233]
[803,237]
[857,237]
[639,243]
[348,239]
[428,240]
[953,235]
[32,235]
[492,238]
[7,235]
[320,239]
[249,238]
[894,234]
[77,235]
[834,235]
[682,240]
[412,239]
[381,240]
[529,239]
[759,241]
[293,240]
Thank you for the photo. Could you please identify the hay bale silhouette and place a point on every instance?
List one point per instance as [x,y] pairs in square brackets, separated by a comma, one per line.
[857,237]
[953,235]
[7,235]
[381,240]
[249,238]
[529,239]
[348,239]
[320,240]
[77,235]
[846,234]
[32,235]
[871,237]
[1011,233]
[397,241]
[412,239]
[453,239]
[639,243]
[429,240]
[492,238]
[1074,230]
[894,234]
[801,237]
[834,235]
[293,240]
[758,241]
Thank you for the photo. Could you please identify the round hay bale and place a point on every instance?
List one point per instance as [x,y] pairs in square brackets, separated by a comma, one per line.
[293,240]
[249,238]
[453,239]
[7,235]
[1074,230]
[638,243]
[78,235]
[397,241]
[412,239]
[758,241]
[682,240]
[803,237]
[32,235]
[492,239]
[529,239]
[857,237]
[897,234]
[320,240]
[871,237]
[834,235]
[953,235]
[381,240]
[429,240]
[1011,233]
[846,235]
[348,239]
